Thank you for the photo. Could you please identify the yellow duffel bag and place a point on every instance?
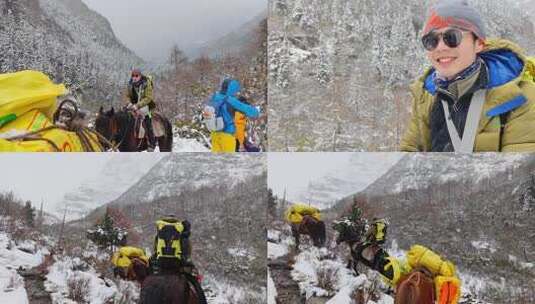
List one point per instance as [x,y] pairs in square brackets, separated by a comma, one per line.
[28,101]
[295,213]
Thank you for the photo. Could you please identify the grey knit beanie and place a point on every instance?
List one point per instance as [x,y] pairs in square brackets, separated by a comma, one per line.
[455,13]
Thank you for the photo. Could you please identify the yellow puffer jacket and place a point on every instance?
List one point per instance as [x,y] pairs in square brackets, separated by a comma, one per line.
[511,90]
[27,105]
[295,213]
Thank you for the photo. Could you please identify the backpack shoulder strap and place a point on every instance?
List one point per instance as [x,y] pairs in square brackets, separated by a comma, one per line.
[503,122]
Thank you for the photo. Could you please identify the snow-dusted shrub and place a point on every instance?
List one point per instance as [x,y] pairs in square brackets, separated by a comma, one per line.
[78,289]
[327,275]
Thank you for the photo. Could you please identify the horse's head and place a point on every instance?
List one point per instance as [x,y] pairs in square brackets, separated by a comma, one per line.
[114,125]
[105,125]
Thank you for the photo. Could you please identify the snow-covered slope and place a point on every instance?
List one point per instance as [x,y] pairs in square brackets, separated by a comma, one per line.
[361,170]
[12,257]
[119,174]
[422,170]
[185,171]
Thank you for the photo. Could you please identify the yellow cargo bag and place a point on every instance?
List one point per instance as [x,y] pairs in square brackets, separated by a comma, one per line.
[168,239]
[399,269]
[123,257]
[420,256]
[295,213]
[27,105]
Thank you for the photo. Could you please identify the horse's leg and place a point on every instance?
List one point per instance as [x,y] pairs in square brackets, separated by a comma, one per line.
[295,233]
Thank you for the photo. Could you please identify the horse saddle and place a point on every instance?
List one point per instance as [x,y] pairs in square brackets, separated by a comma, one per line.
[157,126]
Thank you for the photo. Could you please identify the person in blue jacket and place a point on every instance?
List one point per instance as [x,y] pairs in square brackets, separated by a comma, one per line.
[219,116]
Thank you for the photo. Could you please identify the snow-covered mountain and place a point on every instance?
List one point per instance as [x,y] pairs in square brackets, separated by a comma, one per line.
[424,170]
[188,171]
[339,70]
[232,43]
[66,40]
[119,174]
[361,170]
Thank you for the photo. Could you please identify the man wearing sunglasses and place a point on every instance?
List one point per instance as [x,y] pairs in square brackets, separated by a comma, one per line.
[142,102]
[479,94]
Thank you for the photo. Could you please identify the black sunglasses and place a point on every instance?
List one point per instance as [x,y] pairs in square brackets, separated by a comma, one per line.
[452,38]
[136,75]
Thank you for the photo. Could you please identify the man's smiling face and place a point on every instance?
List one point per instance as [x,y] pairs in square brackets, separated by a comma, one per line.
[450,61]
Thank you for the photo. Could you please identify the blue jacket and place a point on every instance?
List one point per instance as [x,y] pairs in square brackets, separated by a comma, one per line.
[232,105]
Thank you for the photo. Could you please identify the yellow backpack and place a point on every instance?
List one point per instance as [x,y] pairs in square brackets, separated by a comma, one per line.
[167,242]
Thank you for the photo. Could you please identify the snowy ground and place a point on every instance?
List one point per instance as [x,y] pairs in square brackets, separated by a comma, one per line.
[67,271]
[221,292]
[319,273]
[188,145]
[13,256]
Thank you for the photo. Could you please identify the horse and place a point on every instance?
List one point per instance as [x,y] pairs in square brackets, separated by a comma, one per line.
[120,128]
[417,287]
[311,227]
[171,288]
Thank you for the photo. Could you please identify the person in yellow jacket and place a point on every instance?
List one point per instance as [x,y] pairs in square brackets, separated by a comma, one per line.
[241,122]
[32,121]
[479,94]
[130,263]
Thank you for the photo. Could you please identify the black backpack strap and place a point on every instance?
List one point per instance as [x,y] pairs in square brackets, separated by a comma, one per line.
[503,122]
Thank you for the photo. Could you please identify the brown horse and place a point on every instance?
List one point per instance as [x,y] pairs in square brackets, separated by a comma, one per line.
[121,128]
[311,227]
[415,288]
[171,289]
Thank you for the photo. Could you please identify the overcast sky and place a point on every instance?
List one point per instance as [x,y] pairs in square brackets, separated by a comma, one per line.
[48,177]
[150,28]
[294,172]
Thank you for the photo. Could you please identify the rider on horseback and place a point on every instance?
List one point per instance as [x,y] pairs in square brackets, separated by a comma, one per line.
[365,240]
[172,248]
[141,100]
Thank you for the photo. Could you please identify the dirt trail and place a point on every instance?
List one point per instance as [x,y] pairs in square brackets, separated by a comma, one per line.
[287,289]
[35,288]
